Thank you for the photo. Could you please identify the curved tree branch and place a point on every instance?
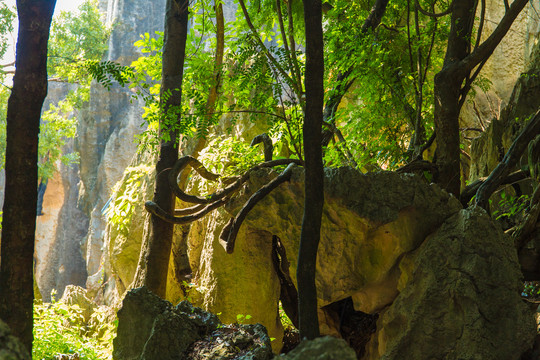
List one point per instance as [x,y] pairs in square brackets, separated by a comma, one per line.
[268,146]
[511,158]
[154,209]
[432,14]
[485,50]
[197,166]
[230,231]
[468,193]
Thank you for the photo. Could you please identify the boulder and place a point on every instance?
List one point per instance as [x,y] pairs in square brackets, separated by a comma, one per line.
[369,223]
[11,348]
[323,348]
[76,295]
[459,297]
[239,342]
[150,328]
[140,308]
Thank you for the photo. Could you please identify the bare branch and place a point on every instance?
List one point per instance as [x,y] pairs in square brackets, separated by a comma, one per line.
[480,24]
[154,209]
[230,231]
[298,73]
[267,142]
[469,191]
[197,166]
[485,50]
[508,162]
[432,14]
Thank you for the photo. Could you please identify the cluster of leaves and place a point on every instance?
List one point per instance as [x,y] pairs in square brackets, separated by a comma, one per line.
[379,112]
[7,15]
[129,194]
[510,206]
[230,156]
[250,86]
[76,38]
[392,70]
[57,126]
[531,290]
[61,329]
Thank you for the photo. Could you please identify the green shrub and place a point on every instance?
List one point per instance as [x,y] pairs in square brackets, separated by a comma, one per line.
[61,329]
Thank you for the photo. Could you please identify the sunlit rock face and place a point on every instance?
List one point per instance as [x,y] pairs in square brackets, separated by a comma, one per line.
[459,297]
[58,256]
[504,67]
[370,222]
[110,122]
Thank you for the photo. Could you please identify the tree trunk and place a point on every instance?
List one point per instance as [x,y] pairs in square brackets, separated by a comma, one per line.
[19,218]
[161,232]
[453,83]
[447,90]
[314,176]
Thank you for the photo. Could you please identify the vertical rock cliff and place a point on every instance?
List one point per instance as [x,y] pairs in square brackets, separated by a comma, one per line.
[70,233]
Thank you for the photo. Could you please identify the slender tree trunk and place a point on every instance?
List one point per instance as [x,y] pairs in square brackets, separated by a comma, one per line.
[447,94]
[453,83]
[314,177]
[161,232]
[19,218]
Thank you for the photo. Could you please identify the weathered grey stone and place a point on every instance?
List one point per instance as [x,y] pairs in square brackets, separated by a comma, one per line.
[489,148]
[459,299]
[152,329]
[171,335]
[59,259]
[323,348]
[140,308]
[241,342]
[11,348]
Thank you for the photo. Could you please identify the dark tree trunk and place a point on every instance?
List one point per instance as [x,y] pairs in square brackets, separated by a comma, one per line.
[453,83]
[447,89]
[19,218]
[314,176]
[161,232]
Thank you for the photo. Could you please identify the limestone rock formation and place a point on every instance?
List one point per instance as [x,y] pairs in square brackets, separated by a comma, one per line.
[504,67]
[150,328]
[11,348]
[459,297]
[76,295]
[487,150]
[370,222]
[61,226]
[323,348]
[108,126]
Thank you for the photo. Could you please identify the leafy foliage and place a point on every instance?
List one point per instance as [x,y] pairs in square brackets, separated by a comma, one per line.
[229,156]
[76,39]
[129,194]
[511,206]
[61,329]
[7,15]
